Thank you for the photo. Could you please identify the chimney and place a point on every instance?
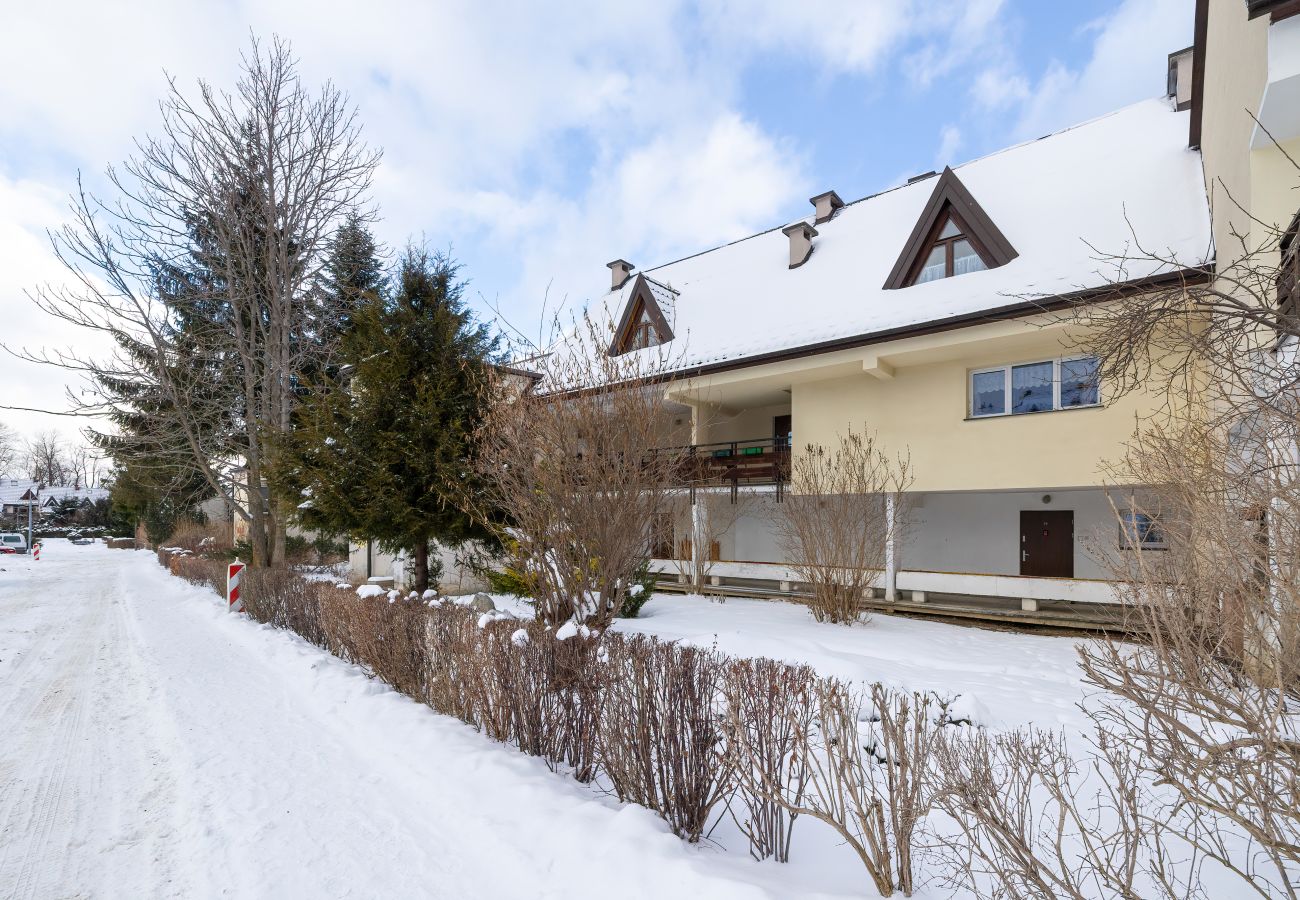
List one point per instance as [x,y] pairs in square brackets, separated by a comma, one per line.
[1179,86]
[826,205]
[619,272]
[800,235]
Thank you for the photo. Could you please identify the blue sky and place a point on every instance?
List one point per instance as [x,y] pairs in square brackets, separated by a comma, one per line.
[540,141]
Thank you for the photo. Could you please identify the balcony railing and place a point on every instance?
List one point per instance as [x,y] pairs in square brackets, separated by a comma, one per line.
[735,464]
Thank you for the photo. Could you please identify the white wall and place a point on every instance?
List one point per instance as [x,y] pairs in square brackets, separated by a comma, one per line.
[980,532]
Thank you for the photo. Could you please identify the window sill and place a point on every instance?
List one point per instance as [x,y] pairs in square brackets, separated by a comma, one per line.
[1041,412]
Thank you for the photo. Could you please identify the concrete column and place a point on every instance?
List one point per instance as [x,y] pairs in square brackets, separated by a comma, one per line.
[786,587]
[891,560]
[699,537]
[1028,604]
[918,596]
[715,580]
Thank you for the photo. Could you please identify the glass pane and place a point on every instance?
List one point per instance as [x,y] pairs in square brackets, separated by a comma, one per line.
[988,393]
[965,259]
[949,230]
[1141,530]
[935,266]
[1079,382]
[1031,388]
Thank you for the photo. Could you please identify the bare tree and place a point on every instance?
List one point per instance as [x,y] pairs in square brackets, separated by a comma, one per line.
[203,273]
[47,460]
[576,464]
[844,509]
[10,450]
[709,516]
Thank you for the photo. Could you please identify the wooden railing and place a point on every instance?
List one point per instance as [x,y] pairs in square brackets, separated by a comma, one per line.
[734,464]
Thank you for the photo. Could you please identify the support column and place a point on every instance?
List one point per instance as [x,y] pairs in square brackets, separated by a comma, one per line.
[891,559]
[1028,604]
[699,539]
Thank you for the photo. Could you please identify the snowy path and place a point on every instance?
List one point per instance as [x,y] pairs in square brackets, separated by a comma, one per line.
[151,745]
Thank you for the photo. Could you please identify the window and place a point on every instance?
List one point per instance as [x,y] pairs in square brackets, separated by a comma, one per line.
[951,254]
[1140,531]
[953,235]
[643,333]
[1035,387]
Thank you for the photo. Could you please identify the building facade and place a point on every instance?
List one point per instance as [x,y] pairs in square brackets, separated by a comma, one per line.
[937,316]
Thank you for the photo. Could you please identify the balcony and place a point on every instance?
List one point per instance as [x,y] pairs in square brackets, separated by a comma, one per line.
[758,462]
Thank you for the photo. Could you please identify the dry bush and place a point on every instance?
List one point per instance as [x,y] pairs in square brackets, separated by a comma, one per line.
[197,570]
[843,510]
[199,537]
[284,599]
[867,774]
[769,715]
[1208,704]
[711,515]
[1032,821]
[661,734]
[574,464]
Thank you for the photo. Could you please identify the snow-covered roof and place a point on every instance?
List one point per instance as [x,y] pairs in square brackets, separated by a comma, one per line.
[59,493]
[12,489]
[1060,201]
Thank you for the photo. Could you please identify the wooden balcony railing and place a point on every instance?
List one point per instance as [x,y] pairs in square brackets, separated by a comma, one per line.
[734,464]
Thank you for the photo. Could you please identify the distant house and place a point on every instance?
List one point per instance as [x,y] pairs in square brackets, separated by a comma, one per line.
[16,494]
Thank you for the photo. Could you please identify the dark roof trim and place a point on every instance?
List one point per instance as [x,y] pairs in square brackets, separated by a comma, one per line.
[950,193]
[1277,9]
[998,314]
[640,297]
[1200,30]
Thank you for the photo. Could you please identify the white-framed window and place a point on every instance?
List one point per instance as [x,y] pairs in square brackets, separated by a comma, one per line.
[1069,382]
[1140,531]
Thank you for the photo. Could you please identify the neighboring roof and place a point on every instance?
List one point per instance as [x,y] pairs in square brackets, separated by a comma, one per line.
[13,489]
[59,493]
[1051,198]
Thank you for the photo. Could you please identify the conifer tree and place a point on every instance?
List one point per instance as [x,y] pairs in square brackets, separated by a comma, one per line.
[383,453]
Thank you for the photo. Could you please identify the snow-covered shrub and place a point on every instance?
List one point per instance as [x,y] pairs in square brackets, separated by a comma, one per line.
[661,731]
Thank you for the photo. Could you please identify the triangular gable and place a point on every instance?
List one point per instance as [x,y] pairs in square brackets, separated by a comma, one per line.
[950,198]
[641,305]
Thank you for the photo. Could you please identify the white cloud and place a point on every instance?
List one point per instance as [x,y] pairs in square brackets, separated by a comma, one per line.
[1127,63]
[999,87]
[950,141]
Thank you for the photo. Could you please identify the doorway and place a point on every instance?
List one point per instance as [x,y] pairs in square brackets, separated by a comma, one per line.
[1047,543]
[783,431]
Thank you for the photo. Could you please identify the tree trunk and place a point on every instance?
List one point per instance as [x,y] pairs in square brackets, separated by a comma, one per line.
[420,566]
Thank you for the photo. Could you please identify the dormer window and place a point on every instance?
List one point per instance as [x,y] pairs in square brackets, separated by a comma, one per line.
[953,236]
[642,332]
[643,323]
[951,254]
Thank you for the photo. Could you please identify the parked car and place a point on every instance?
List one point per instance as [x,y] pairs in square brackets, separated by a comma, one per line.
[13,542]
[81,541]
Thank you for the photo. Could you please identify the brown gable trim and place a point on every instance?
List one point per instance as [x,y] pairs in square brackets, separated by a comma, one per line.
[1200,30]
[950,193]
[998,314]
[640,297]
[1277,9]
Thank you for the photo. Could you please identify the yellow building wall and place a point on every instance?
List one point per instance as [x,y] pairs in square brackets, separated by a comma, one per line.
[913,394]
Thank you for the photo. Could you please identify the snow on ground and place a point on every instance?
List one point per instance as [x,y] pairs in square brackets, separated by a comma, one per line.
[1002,679]
[152,745]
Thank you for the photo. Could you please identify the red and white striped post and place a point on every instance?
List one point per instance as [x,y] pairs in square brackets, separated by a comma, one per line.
[234,574]
[36,551]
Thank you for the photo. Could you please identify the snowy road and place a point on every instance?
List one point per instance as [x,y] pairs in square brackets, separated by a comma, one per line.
[153,746]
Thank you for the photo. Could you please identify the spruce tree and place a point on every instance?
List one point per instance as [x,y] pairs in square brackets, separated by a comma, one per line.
[383,452]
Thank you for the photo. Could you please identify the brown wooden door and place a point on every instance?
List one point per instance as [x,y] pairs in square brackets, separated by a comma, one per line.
[781,428]
[1047,543]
